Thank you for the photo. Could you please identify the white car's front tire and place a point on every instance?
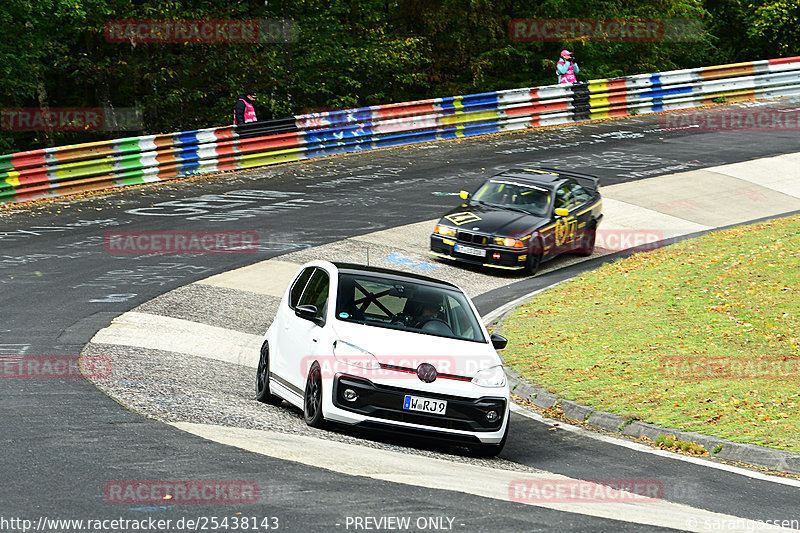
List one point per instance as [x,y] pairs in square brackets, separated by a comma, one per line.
[312,401]
[263,393]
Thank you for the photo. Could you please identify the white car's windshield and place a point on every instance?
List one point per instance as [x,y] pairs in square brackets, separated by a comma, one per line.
[406,305]
[502,193]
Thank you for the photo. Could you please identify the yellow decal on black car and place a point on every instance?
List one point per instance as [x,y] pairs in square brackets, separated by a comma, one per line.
[539,171]
[565,230]
[462,218]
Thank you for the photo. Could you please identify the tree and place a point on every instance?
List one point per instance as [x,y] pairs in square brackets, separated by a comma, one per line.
[348,53]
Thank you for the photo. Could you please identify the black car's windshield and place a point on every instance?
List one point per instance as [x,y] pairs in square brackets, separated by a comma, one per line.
[514,195]
[406,305]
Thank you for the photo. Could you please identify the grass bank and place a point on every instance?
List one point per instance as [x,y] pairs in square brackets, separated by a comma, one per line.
[703,335]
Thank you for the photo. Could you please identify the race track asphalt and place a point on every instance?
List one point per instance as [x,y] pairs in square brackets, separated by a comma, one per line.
[64,439]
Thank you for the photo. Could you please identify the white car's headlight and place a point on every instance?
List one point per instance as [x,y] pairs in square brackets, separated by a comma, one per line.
[490,377]
[353,355]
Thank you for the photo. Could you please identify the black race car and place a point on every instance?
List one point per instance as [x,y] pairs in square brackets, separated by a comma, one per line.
[520,218]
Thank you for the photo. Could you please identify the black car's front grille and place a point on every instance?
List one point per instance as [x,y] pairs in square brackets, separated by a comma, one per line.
[473,238]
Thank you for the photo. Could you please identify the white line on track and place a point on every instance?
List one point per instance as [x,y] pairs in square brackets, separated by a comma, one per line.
[635,446]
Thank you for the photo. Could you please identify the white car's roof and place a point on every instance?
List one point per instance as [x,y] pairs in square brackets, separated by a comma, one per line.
[353,268]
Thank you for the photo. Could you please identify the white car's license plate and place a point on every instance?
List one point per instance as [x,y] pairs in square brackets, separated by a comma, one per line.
[426,405]
[469,250]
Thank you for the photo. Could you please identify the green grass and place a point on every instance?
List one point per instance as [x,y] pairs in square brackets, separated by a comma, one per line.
[703,335]
[670,442]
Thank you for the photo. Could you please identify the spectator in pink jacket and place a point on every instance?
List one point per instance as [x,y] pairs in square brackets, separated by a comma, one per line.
[243,110]
[567,68]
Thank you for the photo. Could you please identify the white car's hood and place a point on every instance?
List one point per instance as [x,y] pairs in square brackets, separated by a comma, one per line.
[409,349]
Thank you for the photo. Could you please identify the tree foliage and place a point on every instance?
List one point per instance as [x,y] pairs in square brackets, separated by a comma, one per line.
[53,53]
[755,29]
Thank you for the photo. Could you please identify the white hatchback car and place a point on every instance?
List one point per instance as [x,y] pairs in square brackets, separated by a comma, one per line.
[387,350]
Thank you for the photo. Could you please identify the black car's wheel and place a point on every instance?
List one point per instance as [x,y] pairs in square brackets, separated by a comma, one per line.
[586,244]
[312,404]
[534,260]
[490,450]
[262,378]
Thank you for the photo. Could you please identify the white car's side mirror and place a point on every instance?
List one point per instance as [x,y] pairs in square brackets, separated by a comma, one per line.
[498,341]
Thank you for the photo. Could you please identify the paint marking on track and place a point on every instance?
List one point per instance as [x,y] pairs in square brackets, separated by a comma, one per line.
[156,332]
[481,481]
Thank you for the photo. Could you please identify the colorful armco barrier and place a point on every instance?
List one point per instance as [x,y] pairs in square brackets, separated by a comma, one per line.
[101,165]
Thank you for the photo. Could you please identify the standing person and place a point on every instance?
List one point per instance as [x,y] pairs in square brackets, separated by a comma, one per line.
[567,68]
[243,110]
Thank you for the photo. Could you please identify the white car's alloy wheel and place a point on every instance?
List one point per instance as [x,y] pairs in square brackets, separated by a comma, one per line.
[312,404]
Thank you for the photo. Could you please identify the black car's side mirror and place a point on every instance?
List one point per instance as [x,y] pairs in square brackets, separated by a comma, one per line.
[561,212]
[464,195]
[308,312]
[498,341]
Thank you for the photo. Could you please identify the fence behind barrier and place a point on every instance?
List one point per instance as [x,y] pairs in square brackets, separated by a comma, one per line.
[149,158]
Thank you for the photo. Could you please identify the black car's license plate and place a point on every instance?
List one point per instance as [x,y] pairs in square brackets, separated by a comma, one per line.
[469,250]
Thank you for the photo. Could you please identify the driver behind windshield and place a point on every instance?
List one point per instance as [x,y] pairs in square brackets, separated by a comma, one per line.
[532,200]
[426,307]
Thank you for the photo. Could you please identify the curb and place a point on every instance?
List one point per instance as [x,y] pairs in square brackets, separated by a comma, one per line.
[751,454]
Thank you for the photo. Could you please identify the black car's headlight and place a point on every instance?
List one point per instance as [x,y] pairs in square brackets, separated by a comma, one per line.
[509,242]
[445,231]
